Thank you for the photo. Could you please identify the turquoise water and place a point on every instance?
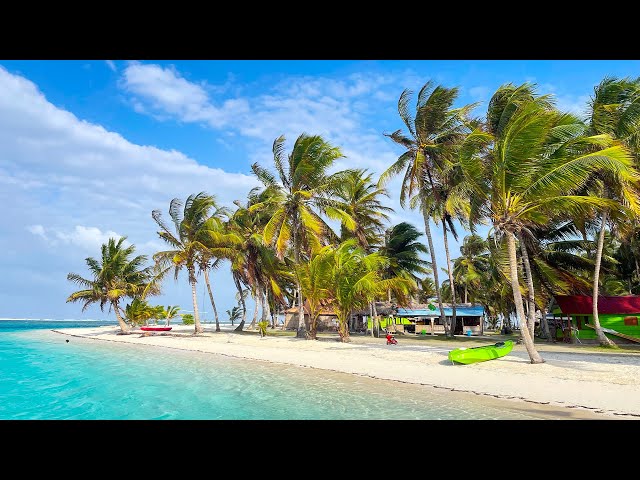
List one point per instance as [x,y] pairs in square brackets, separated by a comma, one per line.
[44,377]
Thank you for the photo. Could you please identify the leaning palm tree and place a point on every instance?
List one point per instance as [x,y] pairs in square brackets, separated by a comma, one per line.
[299,194]
[434,135]
[523,171]
[115,277]
[194,228]
[615,111]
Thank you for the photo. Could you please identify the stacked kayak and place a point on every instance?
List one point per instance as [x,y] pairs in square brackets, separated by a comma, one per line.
[480,354]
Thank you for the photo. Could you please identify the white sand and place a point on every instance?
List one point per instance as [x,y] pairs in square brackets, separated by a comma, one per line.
[606,383]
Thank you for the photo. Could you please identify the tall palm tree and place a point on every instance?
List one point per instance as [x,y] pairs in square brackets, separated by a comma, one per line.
[614,110]
[194,228]
[468,267]
[253,261]
[402,250]
[435,133]
[524,169]
[115,276]
[299,194]
[219,244]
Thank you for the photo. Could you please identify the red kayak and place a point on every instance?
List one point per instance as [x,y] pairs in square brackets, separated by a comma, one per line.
[156,329]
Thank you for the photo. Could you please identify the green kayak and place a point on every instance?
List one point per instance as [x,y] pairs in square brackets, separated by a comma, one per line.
[480,354]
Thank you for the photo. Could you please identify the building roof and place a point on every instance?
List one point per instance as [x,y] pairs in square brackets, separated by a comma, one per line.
[473,311]
[583,305]
[326,309]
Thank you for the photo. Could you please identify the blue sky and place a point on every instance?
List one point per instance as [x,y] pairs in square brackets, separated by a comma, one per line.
[89,148]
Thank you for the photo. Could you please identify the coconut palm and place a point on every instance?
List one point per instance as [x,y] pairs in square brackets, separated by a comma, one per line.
[234,314]
[468,268]
[614,110]
[434,135]
[315,282]
[172,311]
[359,200]
[115,277]
[355,279]
[253,261]
[524,168]
[138,312]
[299,194]
[220,244]
[194,229]
[402,250]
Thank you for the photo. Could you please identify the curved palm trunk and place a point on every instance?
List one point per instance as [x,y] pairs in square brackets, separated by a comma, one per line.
[434,267]
[124,328]
[255,310]
[244,306]
[531,310]
[343,327]
[196,315]
[602,338]
[517,297]
[302,328]
[213,304]
[451,284]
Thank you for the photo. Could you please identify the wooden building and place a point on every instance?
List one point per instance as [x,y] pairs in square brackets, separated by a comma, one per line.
[618,316]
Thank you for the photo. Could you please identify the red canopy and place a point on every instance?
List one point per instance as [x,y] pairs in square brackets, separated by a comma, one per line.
[582,304]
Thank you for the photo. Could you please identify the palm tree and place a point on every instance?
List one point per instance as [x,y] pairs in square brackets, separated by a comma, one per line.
[359,204]
[355,279]
[315,283]
[524,170]
[435,133]
[234,314]
[615,111]
[115,277]
[299,193]
[194,229]
[172,311]
[468,268]
[253,261]
[402,250]
[139,311]
[219,245]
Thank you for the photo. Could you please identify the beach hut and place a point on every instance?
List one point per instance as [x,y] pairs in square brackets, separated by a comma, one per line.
[327,320]
[618,316]
[470,318]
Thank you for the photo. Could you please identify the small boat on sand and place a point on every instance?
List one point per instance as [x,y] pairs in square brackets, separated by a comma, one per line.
[156,329]
[480,354]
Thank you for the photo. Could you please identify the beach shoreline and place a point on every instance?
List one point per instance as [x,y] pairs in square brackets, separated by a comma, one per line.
[605,384]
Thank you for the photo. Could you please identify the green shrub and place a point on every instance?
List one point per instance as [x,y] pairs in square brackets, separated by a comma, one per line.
[262,327]
[187,319]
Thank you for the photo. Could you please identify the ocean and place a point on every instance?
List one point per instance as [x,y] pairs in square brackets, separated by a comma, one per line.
[42,376]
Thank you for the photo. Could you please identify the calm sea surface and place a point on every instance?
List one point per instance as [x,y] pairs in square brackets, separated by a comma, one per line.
[44,377]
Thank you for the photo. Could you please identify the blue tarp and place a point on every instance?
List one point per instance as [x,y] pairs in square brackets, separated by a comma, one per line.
[461,311]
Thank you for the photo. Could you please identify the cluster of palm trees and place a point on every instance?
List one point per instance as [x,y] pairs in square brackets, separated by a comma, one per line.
[559,193]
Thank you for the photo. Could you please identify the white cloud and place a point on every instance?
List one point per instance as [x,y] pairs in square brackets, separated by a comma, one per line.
[159,90]
[37,230]
[87,238]
[111,64]
[73,184]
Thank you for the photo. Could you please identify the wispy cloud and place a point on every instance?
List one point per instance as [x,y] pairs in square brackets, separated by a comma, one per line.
[111,64]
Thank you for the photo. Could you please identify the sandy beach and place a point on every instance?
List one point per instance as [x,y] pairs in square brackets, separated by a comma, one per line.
[605,383]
